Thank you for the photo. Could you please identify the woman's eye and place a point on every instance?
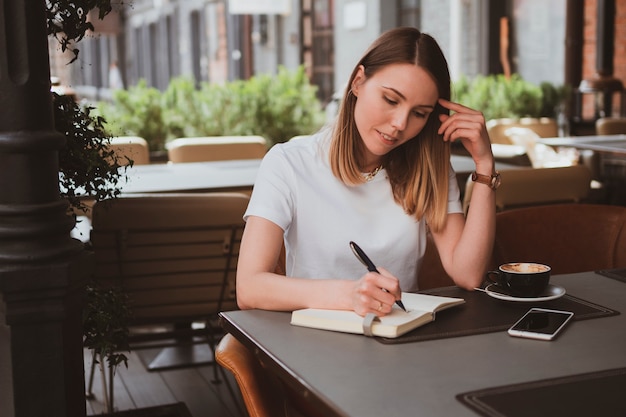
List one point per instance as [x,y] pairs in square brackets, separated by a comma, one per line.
[390,101]
[419,114]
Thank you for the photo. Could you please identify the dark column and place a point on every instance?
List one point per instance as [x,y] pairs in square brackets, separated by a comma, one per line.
[497,10]
[575,21]
[605,35]
[42,270]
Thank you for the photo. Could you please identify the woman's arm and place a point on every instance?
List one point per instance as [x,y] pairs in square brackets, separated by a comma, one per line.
[258,286]
[465,244]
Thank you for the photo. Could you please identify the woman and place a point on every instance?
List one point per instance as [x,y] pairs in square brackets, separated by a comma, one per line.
[380,176]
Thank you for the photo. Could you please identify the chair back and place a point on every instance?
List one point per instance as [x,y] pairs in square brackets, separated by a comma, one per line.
[216,148]
[175,255]
[261,393]
[544,127]
[611,125]
[538,186]
[568,237]
[129,148]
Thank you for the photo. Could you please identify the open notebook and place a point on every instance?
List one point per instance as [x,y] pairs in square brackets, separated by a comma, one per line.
[421,309]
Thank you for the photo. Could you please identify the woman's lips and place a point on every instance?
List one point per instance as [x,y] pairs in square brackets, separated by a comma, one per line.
[387,139]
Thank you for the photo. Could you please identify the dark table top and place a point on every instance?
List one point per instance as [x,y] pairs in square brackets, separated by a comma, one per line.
[353,375]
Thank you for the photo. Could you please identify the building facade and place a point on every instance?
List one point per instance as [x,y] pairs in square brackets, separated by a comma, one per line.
[222,40]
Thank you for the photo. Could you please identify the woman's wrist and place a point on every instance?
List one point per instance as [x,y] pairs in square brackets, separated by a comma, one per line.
[487,167]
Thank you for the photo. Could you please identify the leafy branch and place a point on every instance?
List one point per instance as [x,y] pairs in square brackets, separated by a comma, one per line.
[68,20]
[87,164]
[105,323]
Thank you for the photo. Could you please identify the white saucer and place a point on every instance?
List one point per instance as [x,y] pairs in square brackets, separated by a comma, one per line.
[550,293]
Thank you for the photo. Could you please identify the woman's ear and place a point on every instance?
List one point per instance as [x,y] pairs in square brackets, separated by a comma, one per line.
[359,78]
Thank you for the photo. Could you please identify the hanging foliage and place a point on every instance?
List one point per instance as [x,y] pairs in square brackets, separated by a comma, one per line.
[87,165]
[68,20]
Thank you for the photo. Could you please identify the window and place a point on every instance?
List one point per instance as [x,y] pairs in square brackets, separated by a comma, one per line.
[322,48]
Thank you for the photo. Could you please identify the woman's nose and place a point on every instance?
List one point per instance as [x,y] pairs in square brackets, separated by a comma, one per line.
[399,120]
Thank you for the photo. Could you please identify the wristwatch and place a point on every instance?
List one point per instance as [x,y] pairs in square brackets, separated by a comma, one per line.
[493,181]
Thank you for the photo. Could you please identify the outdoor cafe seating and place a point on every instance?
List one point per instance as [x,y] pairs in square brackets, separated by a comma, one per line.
[130,245]
[262,393]
[216,148]
[568,237]
[611,125]
[130,148]
[571,237]
[175,256]
[543,127]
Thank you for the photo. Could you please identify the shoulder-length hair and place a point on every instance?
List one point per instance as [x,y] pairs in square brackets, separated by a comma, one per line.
[418,170]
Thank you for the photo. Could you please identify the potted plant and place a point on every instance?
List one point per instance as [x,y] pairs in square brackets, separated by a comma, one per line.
[105,328]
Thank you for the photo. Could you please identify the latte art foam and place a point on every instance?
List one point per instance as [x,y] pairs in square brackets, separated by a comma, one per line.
[525,268]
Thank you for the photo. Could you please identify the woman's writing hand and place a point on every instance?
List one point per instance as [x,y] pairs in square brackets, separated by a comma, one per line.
[468,126]
[375,293]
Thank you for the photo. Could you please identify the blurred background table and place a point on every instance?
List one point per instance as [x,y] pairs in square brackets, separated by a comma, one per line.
[607,144]
[232,175]
[607,158]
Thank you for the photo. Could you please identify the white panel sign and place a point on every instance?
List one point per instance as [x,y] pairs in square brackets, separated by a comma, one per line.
[282,7]
[354,15]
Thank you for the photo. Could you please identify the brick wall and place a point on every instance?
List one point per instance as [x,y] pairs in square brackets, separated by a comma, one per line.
[589,49]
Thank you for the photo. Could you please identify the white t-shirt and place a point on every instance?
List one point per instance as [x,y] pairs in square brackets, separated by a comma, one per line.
[296,189]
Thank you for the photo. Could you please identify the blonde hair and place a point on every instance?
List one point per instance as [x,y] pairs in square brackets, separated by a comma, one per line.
[418,170]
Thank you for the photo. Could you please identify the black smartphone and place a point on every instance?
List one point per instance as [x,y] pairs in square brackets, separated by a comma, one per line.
[541,323]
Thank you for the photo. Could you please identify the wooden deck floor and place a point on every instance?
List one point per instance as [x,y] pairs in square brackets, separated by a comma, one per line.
[136,387]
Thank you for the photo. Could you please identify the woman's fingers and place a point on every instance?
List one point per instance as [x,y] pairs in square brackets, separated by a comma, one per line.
[464,122]
[375,293]
[456,107]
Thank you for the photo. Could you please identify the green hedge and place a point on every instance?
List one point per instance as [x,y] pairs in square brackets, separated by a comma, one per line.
[498,97]
[276,107]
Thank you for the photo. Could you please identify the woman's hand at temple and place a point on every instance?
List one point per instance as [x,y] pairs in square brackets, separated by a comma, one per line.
[468,126]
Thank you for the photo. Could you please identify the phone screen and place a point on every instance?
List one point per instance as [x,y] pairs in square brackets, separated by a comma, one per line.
[540,323]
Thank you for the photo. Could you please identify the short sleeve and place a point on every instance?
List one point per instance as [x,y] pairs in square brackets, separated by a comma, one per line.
[273,193]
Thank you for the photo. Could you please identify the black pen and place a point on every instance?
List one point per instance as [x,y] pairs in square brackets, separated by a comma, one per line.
[370,266]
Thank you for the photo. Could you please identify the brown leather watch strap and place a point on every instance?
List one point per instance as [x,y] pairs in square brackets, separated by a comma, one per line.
[493,181]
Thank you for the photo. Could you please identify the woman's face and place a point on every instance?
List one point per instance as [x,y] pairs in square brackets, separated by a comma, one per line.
[392,106]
